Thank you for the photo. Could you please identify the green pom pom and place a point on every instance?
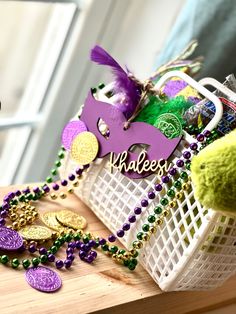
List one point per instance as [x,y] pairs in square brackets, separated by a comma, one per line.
[214,176]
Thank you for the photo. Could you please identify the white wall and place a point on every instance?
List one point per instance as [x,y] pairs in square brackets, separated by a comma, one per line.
[142,33]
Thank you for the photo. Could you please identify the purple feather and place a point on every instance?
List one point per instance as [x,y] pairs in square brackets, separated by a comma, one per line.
[123,84]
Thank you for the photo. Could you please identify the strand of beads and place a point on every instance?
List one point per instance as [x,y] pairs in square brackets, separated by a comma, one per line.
[118,254]
[77,241]
[162,212]
[182,180]
[164,207]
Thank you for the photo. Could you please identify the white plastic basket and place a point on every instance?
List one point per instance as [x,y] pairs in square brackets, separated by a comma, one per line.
[195,247]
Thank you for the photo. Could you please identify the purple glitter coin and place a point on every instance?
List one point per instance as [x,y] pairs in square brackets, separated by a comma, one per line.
[70,131]
[10,239]
[43,279]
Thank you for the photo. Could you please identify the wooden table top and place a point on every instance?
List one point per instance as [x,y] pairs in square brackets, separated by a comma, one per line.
[103,287]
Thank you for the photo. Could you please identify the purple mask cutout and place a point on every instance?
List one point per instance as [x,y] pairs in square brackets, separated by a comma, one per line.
[121,140]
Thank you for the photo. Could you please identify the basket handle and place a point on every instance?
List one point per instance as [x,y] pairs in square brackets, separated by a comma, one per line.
[201,89]
[222,88]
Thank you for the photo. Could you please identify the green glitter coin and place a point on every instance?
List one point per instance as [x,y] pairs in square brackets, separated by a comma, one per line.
[169,125]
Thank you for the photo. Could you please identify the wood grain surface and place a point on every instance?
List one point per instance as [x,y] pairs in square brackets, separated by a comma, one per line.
[104,287]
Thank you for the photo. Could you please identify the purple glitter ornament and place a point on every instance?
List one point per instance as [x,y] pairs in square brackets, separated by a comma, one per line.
[70,131]
[173,87]
[10,239]
[43,279]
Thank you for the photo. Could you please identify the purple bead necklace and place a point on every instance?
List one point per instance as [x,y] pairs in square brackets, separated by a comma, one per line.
[128,258]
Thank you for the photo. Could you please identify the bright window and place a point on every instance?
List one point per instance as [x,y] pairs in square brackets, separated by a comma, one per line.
[45,72]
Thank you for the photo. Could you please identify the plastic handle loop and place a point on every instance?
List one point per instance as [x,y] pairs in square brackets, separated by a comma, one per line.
[201,89]
[222,88]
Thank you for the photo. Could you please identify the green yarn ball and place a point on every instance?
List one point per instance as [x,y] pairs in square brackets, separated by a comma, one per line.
[213,173]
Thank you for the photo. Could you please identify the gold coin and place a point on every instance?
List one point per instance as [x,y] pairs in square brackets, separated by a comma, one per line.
[71,219]
[51,221]
[84,148]
[36,233]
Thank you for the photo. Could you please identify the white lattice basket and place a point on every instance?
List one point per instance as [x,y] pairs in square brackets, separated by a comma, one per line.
[195,247]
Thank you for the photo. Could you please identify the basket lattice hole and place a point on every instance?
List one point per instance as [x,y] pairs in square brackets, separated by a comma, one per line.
[231,221]
[181,250]
[187,241]
[183,230]
[161,243]
[163,192]
[222,219]
[219,230]
[233,234]
[158,273]
[190,189]
[151,262]
[211,249]
[223,241]
[216,240]
[192,200]
[185,208]
[192,232]
[178,217]
[227,231]
[218,250]
[199,222]
[171,247]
